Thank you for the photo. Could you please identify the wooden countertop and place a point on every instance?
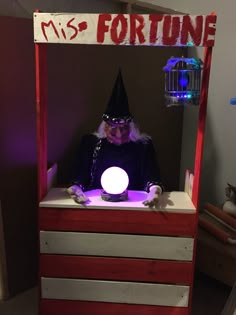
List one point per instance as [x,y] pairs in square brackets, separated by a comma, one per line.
[175,201]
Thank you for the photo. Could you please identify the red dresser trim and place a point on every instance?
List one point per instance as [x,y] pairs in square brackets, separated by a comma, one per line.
[61,307]
[88,267]
[118,221]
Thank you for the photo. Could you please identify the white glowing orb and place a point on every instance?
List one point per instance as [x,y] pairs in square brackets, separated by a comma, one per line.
[114,180]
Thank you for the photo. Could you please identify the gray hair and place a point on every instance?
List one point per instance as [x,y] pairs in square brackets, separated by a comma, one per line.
[134,134]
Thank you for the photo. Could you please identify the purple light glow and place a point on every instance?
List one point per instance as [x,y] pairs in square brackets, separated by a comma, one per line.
[114,180]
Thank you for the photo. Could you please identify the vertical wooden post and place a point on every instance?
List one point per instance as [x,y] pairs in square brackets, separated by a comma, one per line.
[199,152]
[41,112]
[41,122]
[201,125]
[199,148]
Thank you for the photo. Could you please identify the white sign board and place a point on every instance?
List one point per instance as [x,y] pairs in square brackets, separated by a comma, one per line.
[125,29]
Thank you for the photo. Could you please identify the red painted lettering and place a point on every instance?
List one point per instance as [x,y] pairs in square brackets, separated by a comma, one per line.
[136,29]
[171,29]
[119,19]
[74,28]
[154,18]
[189,29]
[102,28]
[82,26]
[44,25]
[63,33]
[209,30]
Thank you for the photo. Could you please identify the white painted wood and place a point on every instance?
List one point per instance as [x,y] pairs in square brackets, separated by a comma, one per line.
[186,182]
[117,245]
[76,28]
[52,176]
[175,201]
[188,186]
[191,179]
[115,291]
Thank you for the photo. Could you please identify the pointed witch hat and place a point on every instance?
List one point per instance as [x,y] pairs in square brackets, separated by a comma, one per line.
[117,110]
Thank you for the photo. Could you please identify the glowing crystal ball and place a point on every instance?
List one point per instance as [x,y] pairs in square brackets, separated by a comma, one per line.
[114,180]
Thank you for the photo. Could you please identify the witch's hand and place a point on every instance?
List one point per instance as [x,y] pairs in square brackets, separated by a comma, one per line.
[77,194]
[153,197]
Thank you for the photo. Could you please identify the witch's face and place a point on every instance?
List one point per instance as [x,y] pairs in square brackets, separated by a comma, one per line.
[117,133]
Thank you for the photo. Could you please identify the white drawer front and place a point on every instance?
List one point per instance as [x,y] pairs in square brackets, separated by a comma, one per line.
[116,245]
[115,291]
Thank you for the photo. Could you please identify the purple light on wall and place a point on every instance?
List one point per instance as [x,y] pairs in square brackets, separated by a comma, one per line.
[114,180]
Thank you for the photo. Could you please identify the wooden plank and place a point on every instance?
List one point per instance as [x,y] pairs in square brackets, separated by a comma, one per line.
[115,292]
[124,29]
[124,221]
[41,111]
[116,245]
[88,267]
[52,176]
[188,187]
[63,307]
[174,201]
[201,125]
[200,137]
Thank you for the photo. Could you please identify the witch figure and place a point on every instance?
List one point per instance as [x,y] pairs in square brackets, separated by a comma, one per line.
[117,142]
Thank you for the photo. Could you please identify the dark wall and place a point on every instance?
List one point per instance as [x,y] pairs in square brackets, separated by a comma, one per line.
[18,188]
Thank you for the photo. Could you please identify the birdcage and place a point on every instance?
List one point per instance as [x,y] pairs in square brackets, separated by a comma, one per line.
[182,81]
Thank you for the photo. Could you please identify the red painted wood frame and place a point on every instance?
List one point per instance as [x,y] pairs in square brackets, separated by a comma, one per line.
[113,268]
[41,116]
[118,221]
[199,148]
[201,125]
[69,307]
[42,104]
[60,307]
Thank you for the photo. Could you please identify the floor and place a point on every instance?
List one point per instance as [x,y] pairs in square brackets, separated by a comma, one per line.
[209,298]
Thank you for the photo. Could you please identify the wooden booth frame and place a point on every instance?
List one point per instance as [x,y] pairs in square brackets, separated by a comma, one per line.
[116,269]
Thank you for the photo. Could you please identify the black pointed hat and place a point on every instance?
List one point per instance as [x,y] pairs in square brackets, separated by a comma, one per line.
[117,110]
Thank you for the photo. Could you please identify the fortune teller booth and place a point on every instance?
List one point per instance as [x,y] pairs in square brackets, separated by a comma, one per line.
[117,256]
